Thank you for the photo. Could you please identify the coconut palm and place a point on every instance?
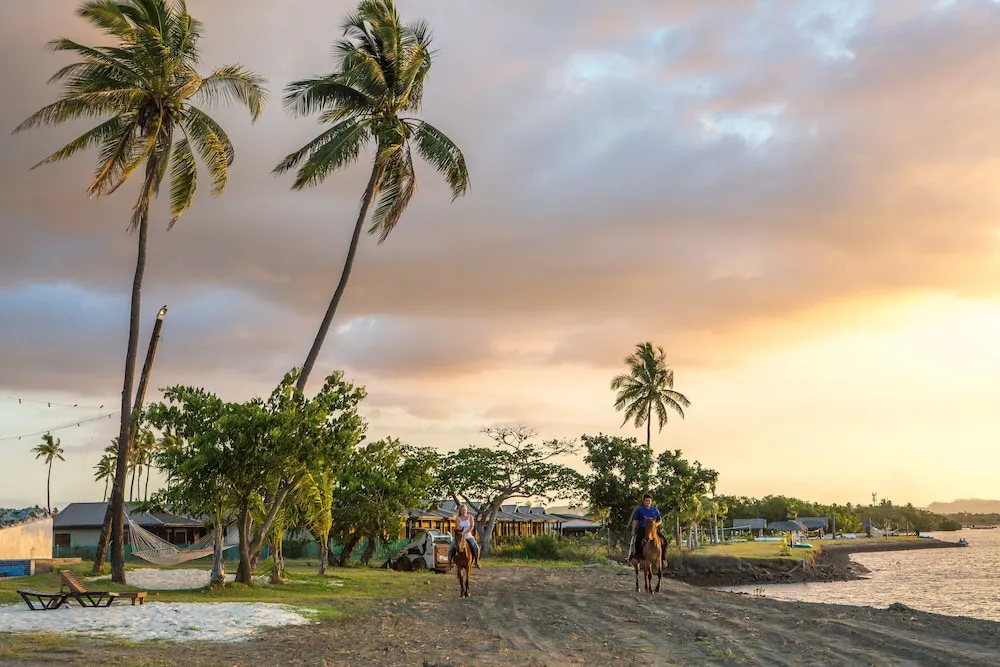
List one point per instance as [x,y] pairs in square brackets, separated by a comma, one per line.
[142,87]
[51,449]
[648,387]
[105,471]
[379,81]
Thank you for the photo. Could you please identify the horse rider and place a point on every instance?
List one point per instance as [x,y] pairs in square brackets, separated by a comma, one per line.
[643,513]
[465,523]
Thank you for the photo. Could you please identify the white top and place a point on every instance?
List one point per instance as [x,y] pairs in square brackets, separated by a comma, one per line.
[464,523]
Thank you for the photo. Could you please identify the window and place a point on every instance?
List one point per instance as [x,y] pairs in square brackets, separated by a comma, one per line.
[62,539]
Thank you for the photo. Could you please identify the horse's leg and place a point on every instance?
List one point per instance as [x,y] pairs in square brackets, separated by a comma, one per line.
[636,566]
[468,580]
[659,569]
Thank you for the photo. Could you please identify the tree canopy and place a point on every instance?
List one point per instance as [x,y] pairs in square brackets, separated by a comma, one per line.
[513,467]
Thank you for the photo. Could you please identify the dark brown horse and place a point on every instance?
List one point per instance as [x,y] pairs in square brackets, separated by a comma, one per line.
[650,557]
[463,562]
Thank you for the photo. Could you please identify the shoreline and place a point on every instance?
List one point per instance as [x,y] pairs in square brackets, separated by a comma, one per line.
[832,562]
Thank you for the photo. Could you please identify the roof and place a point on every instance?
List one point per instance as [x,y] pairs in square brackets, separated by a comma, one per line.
[446,509]
[814,522]
[91,515]
[749,524]
[789,525]
[12,517]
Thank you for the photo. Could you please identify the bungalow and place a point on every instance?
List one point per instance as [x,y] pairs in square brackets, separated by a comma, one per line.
[77,529]
[748,524]
[815,523]
[512,520]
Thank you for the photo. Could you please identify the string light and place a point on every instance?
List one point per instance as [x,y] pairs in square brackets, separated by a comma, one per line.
[21,401]
[61,428]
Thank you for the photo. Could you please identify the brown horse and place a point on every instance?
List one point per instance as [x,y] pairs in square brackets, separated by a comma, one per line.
[650,557]
[463,562]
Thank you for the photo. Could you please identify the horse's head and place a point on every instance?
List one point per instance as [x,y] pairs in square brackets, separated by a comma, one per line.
[651,530]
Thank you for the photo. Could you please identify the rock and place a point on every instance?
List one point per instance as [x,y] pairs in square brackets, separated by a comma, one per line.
[899,606]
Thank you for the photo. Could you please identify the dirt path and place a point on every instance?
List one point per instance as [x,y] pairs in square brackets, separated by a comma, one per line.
[542,616]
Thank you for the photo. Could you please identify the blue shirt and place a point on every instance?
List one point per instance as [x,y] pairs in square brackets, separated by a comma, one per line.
[641,514]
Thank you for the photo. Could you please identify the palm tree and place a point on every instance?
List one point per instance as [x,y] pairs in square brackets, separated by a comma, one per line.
[143,86]
[382,66]
[51,449]
[648,387]
[105,470]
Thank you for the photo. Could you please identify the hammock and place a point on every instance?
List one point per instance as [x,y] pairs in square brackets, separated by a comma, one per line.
[158,551]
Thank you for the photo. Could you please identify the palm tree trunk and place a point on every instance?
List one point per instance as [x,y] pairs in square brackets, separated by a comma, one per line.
[649,447]
[48,489]
[125,432]
[106,480]
[324,327]
[145,495]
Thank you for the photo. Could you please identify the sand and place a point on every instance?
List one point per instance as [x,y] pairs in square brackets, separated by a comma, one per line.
[590,616]
[173,621]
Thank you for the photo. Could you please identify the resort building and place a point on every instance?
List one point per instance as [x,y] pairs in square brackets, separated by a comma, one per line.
[25,536]
[512,520]
[76,530]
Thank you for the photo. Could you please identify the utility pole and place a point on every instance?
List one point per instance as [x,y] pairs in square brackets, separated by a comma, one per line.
[102,545]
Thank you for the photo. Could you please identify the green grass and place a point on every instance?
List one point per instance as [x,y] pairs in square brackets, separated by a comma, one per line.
[753,550]
[343,591]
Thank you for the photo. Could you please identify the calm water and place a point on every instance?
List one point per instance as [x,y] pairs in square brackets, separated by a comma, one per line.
[959,582]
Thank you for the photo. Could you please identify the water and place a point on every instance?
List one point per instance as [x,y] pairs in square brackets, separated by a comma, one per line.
[957,582]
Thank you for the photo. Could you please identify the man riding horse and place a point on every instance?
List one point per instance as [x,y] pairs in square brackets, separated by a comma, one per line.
[643,513]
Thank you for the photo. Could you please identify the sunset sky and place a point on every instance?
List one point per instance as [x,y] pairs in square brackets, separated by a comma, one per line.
[797,200]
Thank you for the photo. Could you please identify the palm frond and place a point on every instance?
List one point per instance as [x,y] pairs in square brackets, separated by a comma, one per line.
[397,189]
[183,179]
[92,137]
[215,151]
[442,154]
[235,83]
[307,96]
[342,149]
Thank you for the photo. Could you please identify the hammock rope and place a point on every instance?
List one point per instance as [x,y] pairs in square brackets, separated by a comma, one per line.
[158,551]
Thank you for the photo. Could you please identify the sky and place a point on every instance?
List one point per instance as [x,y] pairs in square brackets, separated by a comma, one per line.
[798,201]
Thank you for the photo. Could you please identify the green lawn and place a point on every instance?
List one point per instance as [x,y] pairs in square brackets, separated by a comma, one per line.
[753,550]
[342,591]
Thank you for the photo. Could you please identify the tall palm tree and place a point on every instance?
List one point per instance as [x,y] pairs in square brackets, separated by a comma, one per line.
[647,387]
[143,87]
[105,470]
[51,449]
[379,81]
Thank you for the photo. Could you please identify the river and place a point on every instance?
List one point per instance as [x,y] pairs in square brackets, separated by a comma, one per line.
[957,582]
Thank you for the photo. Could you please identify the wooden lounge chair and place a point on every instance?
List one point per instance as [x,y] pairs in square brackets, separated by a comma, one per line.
[43,600]
[89,598]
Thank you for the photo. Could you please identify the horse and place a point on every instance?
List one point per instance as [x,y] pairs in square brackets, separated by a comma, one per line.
[463,562]
[650,557]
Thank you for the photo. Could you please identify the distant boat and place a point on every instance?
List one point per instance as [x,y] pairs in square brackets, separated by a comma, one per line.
[982,527]
[802,545]
[962,542]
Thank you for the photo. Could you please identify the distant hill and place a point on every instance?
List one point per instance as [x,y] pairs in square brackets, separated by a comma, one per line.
[967,505]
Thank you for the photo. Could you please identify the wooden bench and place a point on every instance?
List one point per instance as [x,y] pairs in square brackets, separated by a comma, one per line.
[44,600]
[88,598]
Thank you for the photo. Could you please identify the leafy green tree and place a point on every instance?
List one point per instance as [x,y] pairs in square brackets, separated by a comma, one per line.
[512,468]
[143,87]
[648,387]
[679,483]
[617,478]
[380,482]
[50,449]
[195,459]
[369,99]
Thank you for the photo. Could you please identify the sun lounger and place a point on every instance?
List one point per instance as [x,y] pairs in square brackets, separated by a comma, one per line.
[43,600]
[88,598]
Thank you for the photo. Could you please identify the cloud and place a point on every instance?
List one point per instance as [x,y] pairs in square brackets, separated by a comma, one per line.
[678,171]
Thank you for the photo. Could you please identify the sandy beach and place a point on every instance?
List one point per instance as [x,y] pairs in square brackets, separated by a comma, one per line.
[570,616]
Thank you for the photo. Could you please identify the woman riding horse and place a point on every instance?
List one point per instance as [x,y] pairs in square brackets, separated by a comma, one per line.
[464,523]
